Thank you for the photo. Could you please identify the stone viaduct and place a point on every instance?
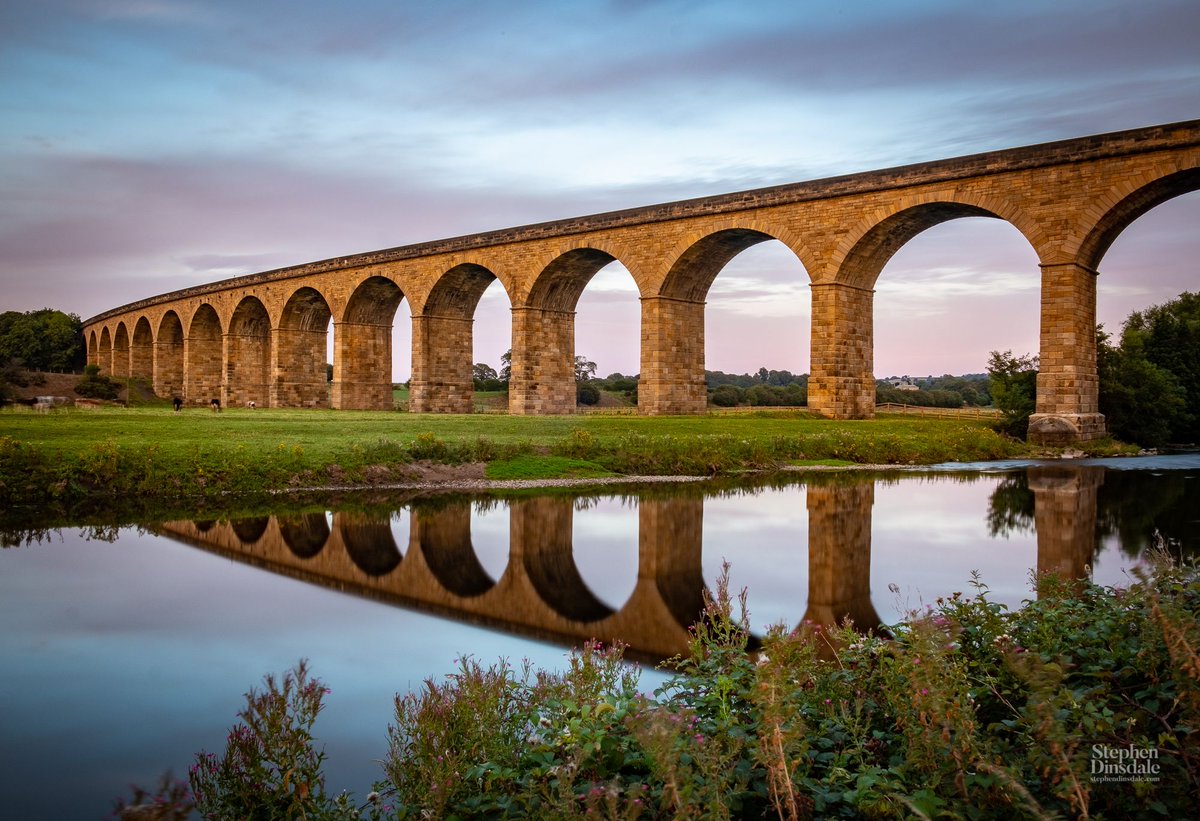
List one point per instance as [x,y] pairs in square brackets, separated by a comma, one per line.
[541,592]
[262,337]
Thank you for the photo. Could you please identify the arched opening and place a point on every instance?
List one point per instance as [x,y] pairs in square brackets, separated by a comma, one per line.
[936,305]
[248,355]
[1151,263]
[543,351]
[608,335]
[301,347]
[120,363]
[491,339]
[764,286]
[442,378]
[842,384]
[203,354]
[362,358]
[141,351]
[104,351]
[761,294]
[93,355]
[168,356]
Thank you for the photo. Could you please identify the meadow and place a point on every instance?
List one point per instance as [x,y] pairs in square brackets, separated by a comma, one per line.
[71,455]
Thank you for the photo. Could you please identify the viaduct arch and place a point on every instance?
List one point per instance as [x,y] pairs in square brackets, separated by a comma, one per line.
[262,337]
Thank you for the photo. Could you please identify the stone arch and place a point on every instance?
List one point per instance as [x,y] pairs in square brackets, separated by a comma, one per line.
[248,354]
[305,535]
[672,360]
[1124,204]
[543,350]
[105,351]
[141,350]
[93,351]
[443,341]
[300,378]
[203,356]
[168,356]
[362,357]
[842,381]
[445,539]
[369,542]
[696,267]
[251,530]
[866,248]
[120,355]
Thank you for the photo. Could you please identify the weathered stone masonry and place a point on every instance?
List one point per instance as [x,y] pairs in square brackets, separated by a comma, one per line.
[261,337]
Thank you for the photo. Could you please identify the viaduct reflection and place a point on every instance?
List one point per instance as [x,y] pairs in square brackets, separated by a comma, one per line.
[541,591]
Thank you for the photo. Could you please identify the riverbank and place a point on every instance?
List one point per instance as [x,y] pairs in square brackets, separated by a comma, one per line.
[146,457]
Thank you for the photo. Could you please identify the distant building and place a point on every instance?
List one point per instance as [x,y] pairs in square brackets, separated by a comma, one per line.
[903,385]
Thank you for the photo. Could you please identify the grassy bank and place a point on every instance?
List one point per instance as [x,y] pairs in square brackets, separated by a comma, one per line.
[69,456]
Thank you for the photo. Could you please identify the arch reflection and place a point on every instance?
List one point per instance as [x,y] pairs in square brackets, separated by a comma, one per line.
[305,535]
[542,592]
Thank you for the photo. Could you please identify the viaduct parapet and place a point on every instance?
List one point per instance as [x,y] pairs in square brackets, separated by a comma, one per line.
[262,337]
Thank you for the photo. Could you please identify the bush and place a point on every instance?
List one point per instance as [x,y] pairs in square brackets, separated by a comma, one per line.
[95,386]
[965,710]
[586,393]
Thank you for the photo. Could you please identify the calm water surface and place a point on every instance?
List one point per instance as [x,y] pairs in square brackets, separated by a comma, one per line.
[123,658]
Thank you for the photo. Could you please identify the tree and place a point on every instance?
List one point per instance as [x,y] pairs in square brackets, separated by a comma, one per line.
[1141,402]
[483,371]
[1013,385]
[1167,337]
[584,369]
[506,366]
[45,340]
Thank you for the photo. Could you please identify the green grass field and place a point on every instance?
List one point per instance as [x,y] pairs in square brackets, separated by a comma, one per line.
[154,452]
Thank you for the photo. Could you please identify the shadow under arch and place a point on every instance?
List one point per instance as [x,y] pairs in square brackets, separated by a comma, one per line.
[863,263]
[203,352]
[168,356]
[141,350]
[1129,207]
[362,338]
[248,364]
[301,341]
[250,531]
[369,542]
[104,353]
[444,536]
[120,353]
[305,535]
[541,533]
[694,272]
[443,341]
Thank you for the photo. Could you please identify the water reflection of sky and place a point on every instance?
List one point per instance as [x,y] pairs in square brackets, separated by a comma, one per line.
[124,659]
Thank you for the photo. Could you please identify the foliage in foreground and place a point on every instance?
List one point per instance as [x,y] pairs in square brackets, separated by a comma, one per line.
[968,710]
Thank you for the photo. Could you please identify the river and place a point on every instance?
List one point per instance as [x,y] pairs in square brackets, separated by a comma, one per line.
[127,650]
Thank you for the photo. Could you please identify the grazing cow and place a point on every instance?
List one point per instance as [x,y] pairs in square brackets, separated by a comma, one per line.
[216,405]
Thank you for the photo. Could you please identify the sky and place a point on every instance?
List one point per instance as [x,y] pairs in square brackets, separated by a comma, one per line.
[152,145]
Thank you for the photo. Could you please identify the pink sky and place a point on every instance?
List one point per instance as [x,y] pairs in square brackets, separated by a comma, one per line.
[151,145]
